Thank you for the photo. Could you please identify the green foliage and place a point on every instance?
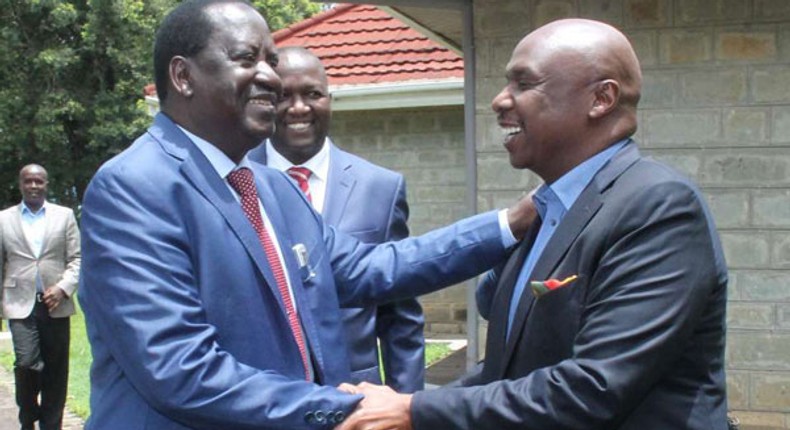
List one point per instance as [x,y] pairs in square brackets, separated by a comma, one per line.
[73,73]
[282,13]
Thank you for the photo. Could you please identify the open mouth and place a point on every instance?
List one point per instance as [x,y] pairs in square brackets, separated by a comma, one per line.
[509,132]
[298,126]
[262,102]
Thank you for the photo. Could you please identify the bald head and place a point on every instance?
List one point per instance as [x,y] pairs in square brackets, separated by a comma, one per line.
[573,87]
[33,168]
[598,50]
[304,112]
[293,58]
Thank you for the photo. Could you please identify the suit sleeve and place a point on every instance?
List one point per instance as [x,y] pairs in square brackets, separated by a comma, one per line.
[70,279]
[655,276]
[141,301]
[485,290]
[399,324]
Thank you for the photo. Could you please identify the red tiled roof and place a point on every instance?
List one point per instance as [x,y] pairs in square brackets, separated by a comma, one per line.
[361,44]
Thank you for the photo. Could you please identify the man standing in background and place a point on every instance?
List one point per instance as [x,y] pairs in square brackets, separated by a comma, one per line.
[40,255]
[214,290]
[358,198]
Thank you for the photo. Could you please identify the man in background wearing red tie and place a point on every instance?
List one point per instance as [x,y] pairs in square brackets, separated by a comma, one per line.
[212,289]
[356,197]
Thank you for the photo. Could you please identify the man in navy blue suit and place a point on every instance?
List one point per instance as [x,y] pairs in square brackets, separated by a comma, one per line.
[611,313]
[212,289]
[356,197]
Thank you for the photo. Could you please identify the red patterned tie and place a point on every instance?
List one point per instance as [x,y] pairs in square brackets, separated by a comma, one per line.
[302,175]
[243,182]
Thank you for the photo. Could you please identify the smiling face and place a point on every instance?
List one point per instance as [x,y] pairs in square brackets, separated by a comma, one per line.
[230,86]
[304,111]
[543,108]
[33,186]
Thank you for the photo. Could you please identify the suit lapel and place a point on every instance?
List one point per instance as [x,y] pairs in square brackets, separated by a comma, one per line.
[577,218]
[285,238]
[497,332]
[340,182]
[16,225]
[199,172]
[49,226]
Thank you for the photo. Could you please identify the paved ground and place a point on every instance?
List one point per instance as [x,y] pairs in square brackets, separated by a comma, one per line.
[8,410]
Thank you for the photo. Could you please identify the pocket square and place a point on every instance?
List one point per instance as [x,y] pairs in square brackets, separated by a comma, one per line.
[540,288]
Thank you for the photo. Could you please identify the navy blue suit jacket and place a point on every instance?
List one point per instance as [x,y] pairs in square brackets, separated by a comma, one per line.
[185,322]
[635,343]
[369,202]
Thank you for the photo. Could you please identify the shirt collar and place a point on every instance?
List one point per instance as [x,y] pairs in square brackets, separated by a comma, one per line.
[221,163]
[27,210]
[318,164]
[569,187]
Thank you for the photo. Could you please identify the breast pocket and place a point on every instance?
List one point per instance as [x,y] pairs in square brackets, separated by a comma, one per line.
[309,258]
[558,313]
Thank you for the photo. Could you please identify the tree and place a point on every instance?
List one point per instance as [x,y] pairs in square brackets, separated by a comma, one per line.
[73,74]
[281,13]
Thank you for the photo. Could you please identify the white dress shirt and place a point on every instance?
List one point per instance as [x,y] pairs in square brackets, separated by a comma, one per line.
[318,165]
[223,166]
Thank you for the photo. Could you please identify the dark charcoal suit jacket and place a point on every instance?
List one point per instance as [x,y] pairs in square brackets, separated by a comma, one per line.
[636,342]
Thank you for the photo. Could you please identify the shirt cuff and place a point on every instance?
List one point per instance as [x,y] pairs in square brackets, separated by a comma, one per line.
[508,239]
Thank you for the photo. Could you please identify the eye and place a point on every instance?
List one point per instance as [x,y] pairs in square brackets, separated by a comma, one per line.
[524,85]
[315,95]
[246,58]
[273,60]
[285,98]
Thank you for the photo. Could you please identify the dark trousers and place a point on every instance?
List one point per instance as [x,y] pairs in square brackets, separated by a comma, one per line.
[41,349]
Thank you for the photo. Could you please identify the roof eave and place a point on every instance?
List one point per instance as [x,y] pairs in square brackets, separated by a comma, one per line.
[398,95]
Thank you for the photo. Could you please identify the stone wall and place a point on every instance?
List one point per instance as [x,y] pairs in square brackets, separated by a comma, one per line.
[426,145]
[716,105]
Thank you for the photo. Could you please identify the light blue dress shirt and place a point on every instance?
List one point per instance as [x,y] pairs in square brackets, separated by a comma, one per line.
[34,225]
[552,203]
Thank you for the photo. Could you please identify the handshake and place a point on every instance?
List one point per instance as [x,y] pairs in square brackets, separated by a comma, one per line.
[381,409]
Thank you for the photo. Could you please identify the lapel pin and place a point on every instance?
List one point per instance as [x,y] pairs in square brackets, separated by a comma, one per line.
[305,271]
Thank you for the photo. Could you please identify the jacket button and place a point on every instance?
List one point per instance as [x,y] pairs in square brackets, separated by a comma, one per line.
[339,417]
[309,417]
[320,417]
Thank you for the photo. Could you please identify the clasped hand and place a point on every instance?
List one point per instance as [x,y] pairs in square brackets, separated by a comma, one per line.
[381,409]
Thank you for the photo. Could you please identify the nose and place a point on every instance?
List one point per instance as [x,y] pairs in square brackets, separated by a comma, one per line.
[297,105]
[266,76]
[502,101]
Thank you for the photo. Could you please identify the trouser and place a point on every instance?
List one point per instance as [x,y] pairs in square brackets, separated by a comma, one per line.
[41,349]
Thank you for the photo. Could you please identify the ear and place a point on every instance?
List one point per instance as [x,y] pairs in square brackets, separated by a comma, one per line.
[607,97]
[180,78]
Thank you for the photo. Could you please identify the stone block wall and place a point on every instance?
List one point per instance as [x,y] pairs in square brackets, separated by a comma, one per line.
[426,145]
[716,105]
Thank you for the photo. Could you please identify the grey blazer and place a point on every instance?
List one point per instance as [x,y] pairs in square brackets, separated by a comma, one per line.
[59,261]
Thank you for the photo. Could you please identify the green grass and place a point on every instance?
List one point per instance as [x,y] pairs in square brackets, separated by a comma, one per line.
[79,367]
[435,351]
